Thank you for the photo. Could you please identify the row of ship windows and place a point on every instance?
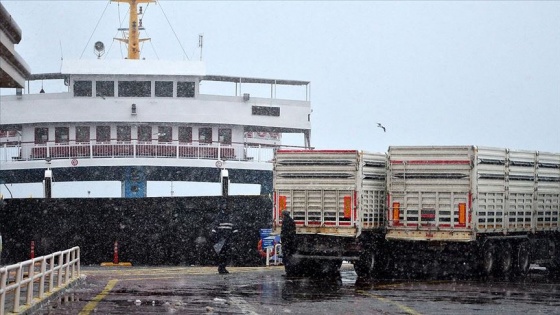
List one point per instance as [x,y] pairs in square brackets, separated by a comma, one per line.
[84,88]
[124,134]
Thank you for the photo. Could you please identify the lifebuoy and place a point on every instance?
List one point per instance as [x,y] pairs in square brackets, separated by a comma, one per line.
[262,251]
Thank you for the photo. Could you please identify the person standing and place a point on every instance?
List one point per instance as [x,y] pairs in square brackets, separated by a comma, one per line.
[222,232]
[287,236]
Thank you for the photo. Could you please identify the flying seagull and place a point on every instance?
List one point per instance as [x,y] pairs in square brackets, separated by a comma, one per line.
[381,126]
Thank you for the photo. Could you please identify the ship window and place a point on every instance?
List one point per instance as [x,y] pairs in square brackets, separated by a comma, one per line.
[61,134]
[164,89]
[164,134]
[224,136]
[82,134]
[185,89]
[41,135]
[185,134]
[82,88]
[145,133]
[103,134]
[135,88]
[124,133]
[104,89]
[266,111]
[205,135]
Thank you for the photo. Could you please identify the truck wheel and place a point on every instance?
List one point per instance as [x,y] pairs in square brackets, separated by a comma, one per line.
[505,259]
[366,265]
[522,259]
[554,266]
[488,258]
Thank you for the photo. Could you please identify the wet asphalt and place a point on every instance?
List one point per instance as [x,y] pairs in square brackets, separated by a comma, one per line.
[265,290]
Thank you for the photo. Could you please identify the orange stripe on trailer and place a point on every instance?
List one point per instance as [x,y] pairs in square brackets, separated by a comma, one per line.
[347,207]
[462,213]
[396,211]
[282,203]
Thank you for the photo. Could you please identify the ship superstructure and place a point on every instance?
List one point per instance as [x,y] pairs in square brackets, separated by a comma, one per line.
[135,120]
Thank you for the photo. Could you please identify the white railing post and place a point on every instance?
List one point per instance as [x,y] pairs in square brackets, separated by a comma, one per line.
[278,252]
[51,273]
[42,281]
[67,266]
[59,268]
[17,294]
[30,276]
[78,262]
[4,279]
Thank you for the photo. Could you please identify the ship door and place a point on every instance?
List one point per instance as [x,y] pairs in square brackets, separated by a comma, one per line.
[134,184]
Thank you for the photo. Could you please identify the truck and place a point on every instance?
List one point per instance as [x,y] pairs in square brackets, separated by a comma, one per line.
[337,199]
[492,211]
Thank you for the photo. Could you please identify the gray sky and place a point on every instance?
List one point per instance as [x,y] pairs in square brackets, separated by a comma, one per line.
[433,73]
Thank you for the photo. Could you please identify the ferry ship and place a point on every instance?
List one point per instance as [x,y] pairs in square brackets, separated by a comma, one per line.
[135,120]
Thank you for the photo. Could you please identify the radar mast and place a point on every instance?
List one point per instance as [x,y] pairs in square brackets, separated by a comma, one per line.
[133,40]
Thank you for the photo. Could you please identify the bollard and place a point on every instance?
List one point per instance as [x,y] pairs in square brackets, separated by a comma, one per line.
[32,249]
[116,258]
[116,253]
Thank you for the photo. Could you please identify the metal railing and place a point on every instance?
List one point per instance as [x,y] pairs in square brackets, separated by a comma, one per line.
[277,253]
[134,149]
[37,277]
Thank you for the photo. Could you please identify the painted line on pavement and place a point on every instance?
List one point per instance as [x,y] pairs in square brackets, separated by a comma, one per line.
[245,307]
[403,307]
[90,307]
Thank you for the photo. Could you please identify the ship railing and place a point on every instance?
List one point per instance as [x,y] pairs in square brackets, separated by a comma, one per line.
[135,149]
[29,282]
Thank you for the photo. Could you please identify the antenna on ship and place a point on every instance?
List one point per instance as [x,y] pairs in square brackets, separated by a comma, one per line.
[134,27]
[200,40]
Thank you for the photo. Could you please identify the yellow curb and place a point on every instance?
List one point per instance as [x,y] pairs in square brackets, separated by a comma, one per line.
[121,264]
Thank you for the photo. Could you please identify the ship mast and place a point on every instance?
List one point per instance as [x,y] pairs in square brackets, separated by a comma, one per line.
[133,40]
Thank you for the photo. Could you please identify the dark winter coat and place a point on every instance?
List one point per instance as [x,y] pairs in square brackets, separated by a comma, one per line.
[288,234]
[223,227]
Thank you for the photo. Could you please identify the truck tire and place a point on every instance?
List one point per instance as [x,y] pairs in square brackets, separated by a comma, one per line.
[554,266]
[522,259]
[365,267]
[488,259]
[505,259]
